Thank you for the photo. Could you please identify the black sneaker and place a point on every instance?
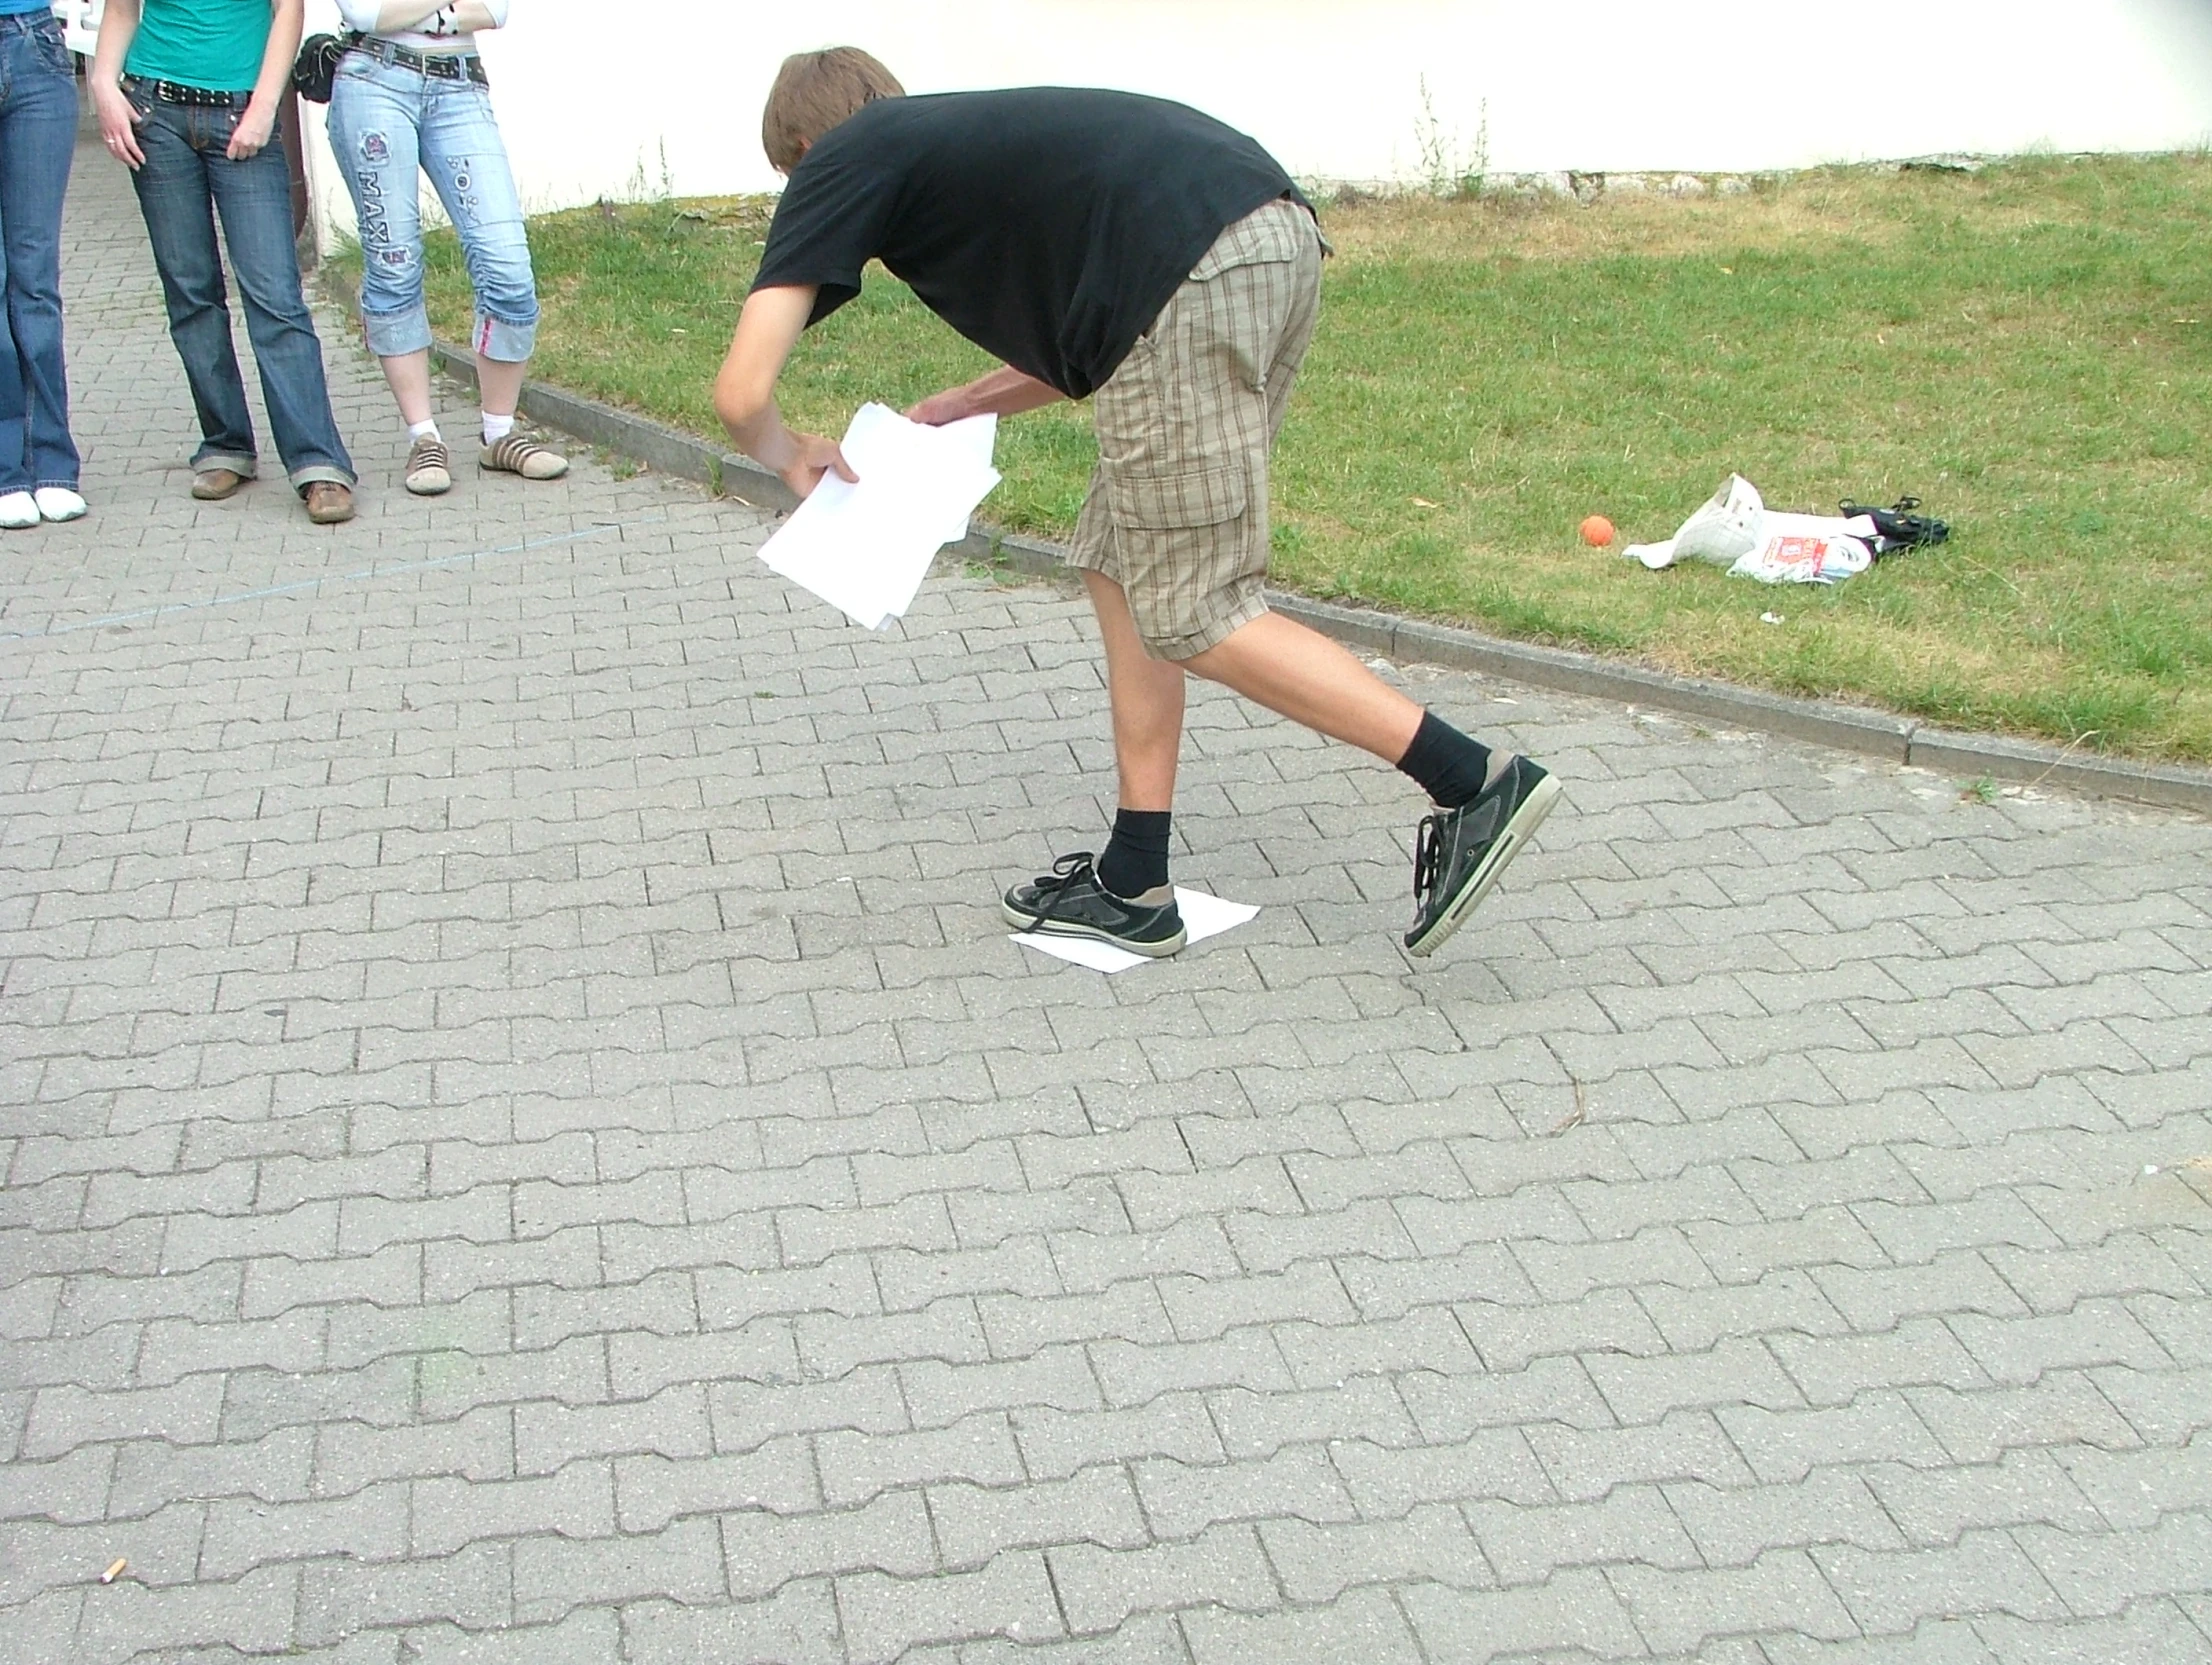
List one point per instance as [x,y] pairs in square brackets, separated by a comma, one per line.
[1070,902]
[1459,853]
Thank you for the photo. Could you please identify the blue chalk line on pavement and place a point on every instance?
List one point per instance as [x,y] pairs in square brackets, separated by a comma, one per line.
[300,585]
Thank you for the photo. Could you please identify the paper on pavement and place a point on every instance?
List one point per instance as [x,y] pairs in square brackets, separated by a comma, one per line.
[1203,916]
[865,547]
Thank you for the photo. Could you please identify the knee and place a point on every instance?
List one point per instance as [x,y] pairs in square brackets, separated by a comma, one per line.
[391,276]
[499,271]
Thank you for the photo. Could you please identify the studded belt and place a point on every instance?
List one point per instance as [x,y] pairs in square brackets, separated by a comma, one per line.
[173,92]
[438,66]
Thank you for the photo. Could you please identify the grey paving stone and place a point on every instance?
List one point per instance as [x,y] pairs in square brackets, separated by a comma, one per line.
[889,1535]
[1095,1505]
[884,1618]
[797,1624]
[345,1599]
[254,1614]
[1100,1589]
[1364,1626]
[1890,1592]
[1678,1609]
[1576,1611]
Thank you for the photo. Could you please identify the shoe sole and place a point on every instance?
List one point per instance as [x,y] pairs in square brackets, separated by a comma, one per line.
[1518,832]
[437,486]
[1060,928]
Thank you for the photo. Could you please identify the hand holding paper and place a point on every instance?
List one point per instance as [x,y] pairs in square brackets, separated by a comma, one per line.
[865,547]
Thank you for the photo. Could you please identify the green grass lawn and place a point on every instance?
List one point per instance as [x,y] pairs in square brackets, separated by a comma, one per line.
[2028,349]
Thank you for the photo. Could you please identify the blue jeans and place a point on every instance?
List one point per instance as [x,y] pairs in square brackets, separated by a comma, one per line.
[38,136]
[185,181]
[386,122]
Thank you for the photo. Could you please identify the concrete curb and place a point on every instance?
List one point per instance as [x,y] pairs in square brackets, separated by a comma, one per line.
[1846,727]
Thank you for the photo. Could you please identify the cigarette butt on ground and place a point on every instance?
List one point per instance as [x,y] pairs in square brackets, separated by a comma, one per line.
[114,1571]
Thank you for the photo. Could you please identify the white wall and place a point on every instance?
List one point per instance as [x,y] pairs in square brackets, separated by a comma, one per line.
[603,97]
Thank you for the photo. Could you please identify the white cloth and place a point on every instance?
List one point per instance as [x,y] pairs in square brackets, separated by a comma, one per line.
[435,33]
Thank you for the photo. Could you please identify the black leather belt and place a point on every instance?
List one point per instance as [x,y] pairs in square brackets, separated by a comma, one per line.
[172,92]
[439,66]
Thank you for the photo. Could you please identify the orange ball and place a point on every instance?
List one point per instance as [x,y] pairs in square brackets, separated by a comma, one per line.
[1597,531]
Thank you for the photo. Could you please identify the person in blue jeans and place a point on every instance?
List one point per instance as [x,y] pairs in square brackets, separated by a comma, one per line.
[38,135]
[188,93]
[411,96]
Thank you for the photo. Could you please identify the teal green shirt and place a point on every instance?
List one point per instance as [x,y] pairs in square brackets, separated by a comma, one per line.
[216,44]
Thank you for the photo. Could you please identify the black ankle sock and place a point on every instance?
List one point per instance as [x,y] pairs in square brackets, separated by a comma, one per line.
[1136,856]
[1450,767]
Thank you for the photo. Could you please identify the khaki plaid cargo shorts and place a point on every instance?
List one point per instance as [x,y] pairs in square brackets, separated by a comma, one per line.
[1177,511]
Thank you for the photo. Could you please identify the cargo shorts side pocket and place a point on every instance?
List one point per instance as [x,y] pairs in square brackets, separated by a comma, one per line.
[1183,549]
[1180,500]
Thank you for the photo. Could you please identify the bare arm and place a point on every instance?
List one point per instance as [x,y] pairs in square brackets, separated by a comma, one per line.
[1004,392]
[286,19]
[745,390]
[118,121]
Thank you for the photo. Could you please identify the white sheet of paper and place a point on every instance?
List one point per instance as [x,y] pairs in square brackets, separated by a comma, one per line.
[1203,916]
[864,548]
[978,436]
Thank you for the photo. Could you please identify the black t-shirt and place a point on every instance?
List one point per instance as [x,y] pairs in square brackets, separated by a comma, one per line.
[1048,225]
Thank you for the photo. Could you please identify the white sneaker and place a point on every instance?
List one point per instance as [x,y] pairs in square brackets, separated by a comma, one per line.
[17,510]
[58,503]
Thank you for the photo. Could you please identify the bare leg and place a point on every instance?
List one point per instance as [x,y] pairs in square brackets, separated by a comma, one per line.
[1301,674]
[1147,695]
[409,376]
[499,384]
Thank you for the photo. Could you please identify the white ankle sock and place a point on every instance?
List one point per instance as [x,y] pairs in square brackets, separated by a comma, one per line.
[497,428]
[422,430]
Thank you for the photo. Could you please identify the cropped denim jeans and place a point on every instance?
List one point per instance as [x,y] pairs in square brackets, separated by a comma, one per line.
[388,122]
[38,136]
[187,179]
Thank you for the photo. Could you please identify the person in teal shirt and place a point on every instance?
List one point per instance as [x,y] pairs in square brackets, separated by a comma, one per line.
[188,93]
[213,44]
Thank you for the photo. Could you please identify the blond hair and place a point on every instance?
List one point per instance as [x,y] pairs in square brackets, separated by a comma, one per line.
[814,91]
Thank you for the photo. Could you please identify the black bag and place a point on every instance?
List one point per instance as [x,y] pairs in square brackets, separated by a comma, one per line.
[316,67]
[1897,527]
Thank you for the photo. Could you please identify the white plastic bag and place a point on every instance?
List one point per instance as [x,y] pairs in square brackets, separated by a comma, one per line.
[1724,529]
[1807,549]
[1735,529]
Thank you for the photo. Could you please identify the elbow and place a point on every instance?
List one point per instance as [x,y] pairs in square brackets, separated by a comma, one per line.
[744,399]
[739,407]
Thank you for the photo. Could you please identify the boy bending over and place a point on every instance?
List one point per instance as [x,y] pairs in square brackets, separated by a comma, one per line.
[1139,254]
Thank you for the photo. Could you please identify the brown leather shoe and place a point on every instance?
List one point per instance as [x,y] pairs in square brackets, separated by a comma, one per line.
[328,502]
[214,484]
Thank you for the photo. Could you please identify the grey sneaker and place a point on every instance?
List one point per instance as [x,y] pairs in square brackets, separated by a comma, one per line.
[1459,853]
[429,467]
[526,457]
[1070,902]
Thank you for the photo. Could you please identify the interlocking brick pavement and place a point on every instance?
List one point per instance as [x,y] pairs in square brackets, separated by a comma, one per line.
[525,1140]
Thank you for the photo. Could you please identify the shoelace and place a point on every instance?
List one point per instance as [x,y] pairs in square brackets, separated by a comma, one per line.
[513,451]
[1067,871]
[1428,849]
